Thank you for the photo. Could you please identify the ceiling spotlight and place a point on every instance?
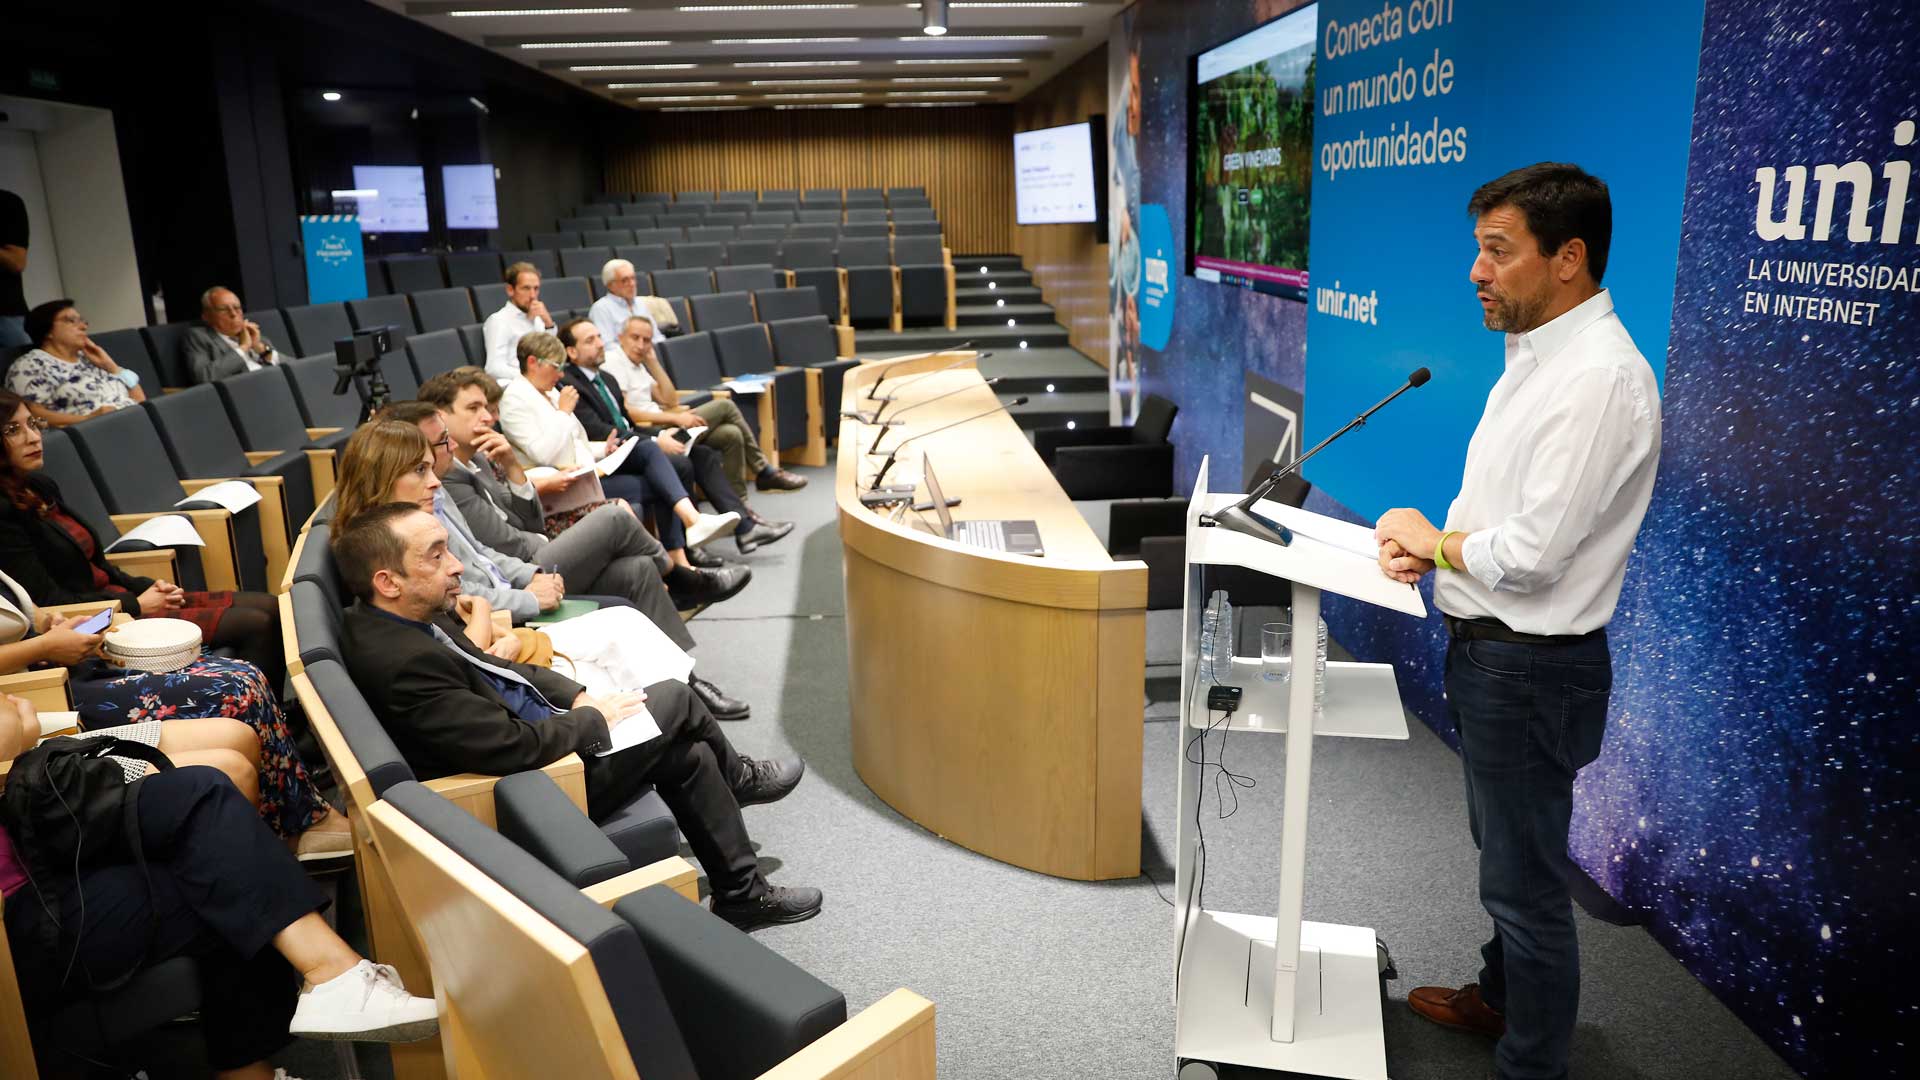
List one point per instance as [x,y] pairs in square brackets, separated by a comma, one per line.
[330,95]
[934,13]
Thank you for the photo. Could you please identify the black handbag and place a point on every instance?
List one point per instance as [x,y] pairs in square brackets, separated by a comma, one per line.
[68,807]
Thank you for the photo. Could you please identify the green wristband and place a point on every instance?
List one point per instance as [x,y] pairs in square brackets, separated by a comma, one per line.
[1440,551]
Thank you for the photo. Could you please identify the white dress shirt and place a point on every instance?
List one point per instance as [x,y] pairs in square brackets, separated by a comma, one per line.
[541,432]
[1558,477]
[254,361]
[503,328]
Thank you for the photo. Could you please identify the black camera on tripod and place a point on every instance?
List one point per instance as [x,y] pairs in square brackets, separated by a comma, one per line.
[357,362]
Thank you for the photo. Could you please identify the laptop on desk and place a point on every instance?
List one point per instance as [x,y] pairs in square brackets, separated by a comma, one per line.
[1012,537]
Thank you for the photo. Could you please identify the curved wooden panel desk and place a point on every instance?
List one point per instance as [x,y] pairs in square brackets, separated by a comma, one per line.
[996,699]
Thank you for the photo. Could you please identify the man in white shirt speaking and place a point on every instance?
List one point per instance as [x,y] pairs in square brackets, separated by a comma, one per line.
[1530,560]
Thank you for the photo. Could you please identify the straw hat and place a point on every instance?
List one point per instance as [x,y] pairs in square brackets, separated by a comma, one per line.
[153,644]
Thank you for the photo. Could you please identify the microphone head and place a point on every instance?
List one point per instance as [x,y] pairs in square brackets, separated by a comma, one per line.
[995,379]
[1021,400]
[984,355]
[1420,377]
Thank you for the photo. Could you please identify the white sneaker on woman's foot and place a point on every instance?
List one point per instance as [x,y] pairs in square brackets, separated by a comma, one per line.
[712,526]
[365,1004]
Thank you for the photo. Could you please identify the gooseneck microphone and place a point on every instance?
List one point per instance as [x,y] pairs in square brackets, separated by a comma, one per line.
[875,388]
[875,448]
[949,366]
[888,464]
[1241,517]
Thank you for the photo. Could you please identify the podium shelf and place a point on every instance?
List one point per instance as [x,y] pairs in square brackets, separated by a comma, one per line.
[1362,701]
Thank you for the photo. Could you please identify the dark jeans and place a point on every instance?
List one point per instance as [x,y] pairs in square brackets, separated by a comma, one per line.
[223,887]
[1529,717]
[694,767]
[706,466]
[648,479]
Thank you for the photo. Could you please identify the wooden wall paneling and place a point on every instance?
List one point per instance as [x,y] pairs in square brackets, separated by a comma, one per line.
[1069,262]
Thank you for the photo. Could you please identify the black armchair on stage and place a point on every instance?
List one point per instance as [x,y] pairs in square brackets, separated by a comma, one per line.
[1114,462]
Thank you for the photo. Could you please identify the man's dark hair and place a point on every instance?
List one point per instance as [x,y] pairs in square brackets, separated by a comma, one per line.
[444,387]
[1560,202]
[409,412]
[566,330]
[370,544]
[39,321]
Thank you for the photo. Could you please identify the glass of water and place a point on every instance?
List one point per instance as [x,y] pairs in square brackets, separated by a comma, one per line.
[1276,651]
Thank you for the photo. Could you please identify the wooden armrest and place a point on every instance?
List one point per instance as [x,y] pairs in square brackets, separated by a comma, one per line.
[673,871]
[892,1037]
[473,792]
[160,563]
[720,392]
[82,609]
[685,394]
[843,341]
[46,688]
[215,527]
[255,457]
[273,519]
[321,432]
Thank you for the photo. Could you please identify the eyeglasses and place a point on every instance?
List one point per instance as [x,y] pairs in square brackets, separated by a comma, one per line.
[445,442]
[227,309]
[17,432]
[554,364]
[73,317]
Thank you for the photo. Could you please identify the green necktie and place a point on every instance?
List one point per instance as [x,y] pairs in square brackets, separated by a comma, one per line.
[619,415]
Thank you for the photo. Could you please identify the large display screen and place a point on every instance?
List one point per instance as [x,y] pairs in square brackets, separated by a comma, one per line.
[1250,157]
[469,195]
[1054,173]
[393,198]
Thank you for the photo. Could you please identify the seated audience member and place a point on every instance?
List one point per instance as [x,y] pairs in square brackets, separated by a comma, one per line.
[67,378]
[522,314]
[395,461]
[215,886]
[56,557]
[537,417]
[608,549]
[452,708]
[604,416]
[106,696]
[620,302]
[226,342]
[653,401]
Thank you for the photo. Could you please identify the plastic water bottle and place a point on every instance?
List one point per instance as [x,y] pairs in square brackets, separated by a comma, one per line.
[1320,669]
[1216,637]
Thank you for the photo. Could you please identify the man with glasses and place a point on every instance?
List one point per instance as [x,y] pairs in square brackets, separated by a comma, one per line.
[226,343]
[621,302]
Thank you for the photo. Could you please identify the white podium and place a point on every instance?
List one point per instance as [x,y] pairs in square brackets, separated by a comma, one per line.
[1275,991]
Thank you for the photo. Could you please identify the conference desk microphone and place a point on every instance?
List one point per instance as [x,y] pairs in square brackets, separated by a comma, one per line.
[1241,517]
[892,457]
[888,426]
[949,366]
[874,387]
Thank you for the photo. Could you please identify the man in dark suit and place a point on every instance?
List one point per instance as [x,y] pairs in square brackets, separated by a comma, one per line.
[601,414]
[451,707]
[226,343]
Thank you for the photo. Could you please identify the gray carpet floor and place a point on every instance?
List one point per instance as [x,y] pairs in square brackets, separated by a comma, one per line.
[1036,977]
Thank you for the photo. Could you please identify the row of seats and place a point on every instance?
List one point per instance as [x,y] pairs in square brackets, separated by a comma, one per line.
[493,871]
[819,196]
[569,235]
[699,216]
[647,249]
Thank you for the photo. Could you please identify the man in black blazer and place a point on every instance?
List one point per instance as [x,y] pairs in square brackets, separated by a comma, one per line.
[450,707]
[600,413]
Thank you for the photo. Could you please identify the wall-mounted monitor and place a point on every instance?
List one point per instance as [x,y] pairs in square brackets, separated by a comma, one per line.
[1054,174]
[470,201]
[391,198]
[1250,157]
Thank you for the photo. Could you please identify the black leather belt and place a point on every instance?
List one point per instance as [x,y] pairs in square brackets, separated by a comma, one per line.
[1495,630]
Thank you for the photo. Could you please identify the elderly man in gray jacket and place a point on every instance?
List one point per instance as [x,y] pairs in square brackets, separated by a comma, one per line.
[226,343]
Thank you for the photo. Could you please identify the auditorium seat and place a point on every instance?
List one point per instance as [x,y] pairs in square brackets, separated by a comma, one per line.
[865,193]
[823,196]
[131,351]
[681,219]
[811,261]
[757,231]
[830,232]
[568,293]
[316,622]
[1134,462]
[763,218]
[773,304]
[312,380]
[583,262]
[736,196]
[266,416]
[746,277]
[436,353]
[728,217]
[693,364]
[894,192]
[630,221]
[194,427]
[692,197]
[63,465]
[657,198]
[542,259]
[710,233]
[273,327]
[746,351]
[402,383]
[778,194]
[926,281]
[393,311]
[865,230]
[531,810]
[442,309]
[661,234]
[818,217]
[683,281]
[376,277]
[873,297]
[866,215]
[913,213]
[688,253]
[682,316]
[810,341]
[472,267]
[645,257]
[492,296]
[414,273]
[916,228]
[719,310]
[578,224]
[315,327]
[473,341]
[605,238]
[554,241]
[753,252]
[163,343]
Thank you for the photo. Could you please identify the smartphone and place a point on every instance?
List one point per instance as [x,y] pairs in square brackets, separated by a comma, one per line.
[94,624]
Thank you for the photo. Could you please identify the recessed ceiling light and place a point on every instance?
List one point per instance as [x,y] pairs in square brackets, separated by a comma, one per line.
[986,37]
[950,78]
[592,44]
[784,40]
[846,106]
[1014,4]
[501,13]
[704,108]
[936,93]
[330,95]
[797,97]
[930,104]
[658,85]
[631,67]
[691,97]
[805,82]
[958,60]
[713,8]
[794,63]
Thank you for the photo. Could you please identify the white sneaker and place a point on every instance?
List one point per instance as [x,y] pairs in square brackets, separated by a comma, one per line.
[365,1004]
[711,527]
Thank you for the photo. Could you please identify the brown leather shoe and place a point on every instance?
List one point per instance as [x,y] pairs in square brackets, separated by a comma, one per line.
[1460,1009]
